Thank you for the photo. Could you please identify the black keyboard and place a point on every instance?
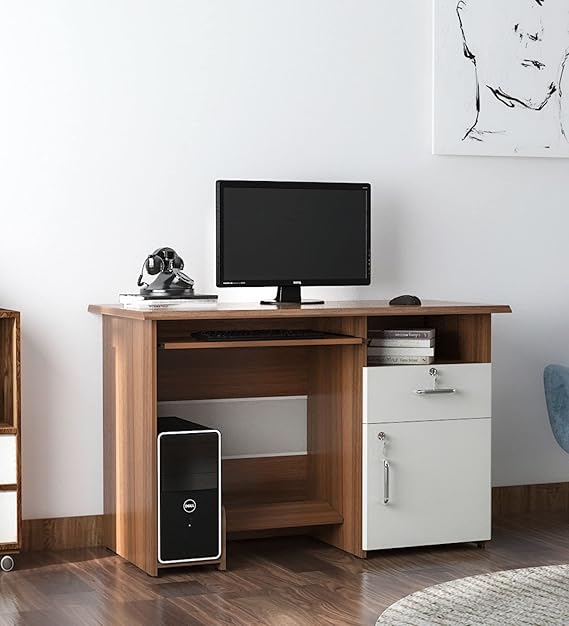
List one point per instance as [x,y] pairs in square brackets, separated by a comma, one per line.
[252,335]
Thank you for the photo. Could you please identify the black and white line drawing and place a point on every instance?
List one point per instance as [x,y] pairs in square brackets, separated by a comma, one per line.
[515,52]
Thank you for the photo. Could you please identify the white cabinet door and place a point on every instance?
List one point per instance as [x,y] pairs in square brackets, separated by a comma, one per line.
[8,517]
[8,472]
[390,392]
[437,485]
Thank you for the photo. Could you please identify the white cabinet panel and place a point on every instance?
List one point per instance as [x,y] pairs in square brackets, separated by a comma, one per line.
[390,392]
[8,471]
[438,487]
[8,517]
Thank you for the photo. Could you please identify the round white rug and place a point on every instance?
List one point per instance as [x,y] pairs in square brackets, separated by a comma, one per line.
[536,596]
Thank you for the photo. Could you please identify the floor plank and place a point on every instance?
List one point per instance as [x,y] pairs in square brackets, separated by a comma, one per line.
[270,582]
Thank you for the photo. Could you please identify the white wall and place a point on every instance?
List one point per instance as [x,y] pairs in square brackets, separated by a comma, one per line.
[116,117]
[249,426]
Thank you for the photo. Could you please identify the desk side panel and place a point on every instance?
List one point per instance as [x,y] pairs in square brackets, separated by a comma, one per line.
[129,405]
[335,434]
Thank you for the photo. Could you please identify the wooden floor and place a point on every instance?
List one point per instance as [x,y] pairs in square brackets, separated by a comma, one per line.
[282,582]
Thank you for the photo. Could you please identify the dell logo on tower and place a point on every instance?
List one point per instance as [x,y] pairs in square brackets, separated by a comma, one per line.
[189,505]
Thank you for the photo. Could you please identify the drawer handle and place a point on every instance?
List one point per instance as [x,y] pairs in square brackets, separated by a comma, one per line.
[434,373]
[385,481]
[431,392]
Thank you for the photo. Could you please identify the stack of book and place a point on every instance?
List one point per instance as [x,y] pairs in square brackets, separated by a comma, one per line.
[409,346]
[136,301]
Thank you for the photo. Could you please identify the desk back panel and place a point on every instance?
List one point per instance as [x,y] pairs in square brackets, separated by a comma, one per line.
[230,373]
[265,479]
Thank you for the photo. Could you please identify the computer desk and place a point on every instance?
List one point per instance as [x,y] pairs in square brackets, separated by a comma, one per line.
[150,356]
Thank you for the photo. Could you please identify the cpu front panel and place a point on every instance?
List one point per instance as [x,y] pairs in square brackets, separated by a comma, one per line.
[189,496]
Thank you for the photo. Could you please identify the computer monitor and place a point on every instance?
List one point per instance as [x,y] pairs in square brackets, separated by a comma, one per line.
[288,234]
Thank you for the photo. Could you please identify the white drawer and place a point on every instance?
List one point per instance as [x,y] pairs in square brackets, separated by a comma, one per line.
[8,466]
[8,517]
[390,392]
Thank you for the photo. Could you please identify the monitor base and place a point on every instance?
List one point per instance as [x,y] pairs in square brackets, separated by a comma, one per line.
[278,303]
[289,294]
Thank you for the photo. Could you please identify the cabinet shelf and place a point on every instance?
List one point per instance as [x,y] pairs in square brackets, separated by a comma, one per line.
[188,344]
[248,517]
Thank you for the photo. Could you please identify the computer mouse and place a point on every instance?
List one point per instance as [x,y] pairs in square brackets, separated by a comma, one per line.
[405,300]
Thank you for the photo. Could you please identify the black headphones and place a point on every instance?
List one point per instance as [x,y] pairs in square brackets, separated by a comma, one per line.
[164,260]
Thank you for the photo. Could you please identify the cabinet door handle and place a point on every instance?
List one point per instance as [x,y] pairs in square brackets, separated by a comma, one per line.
[385,481]
[432,392]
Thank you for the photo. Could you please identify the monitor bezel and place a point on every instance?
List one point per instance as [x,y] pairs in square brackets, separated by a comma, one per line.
[263,184]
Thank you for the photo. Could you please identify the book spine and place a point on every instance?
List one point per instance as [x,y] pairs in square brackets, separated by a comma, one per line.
[385,351]
[402,343]
[401,360]
[420,333]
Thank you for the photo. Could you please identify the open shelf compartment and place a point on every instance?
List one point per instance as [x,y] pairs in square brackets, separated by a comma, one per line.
[177,336]
[9,372]
[272,492]
[462,338]
[265,494]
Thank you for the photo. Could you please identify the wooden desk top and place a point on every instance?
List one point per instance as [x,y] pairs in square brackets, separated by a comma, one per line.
[347,308]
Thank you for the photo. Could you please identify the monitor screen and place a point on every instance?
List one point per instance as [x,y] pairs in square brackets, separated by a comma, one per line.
[286,233]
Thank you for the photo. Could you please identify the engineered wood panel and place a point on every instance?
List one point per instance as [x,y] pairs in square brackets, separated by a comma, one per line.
[228,373]
[130,431]
[257,343]
[265,479]
[260,516]
[347,308]
[335,434]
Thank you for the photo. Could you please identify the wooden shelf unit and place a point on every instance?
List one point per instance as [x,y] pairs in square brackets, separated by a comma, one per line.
[10,433]
[149,357]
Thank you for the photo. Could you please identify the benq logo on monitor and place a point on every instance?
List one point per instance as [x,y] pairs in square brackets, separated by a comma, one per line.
[189,505]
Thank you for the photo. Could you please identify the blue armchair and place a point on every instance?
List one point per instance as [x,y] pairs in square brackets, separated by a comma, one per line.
[556,384]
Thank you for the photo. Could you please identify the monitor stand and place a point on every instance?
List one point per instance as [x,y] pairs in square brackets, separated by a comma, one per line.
[290,295]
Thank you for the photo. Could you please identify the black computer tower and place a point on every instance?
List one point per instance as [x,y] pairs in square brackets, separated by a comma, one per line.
[189,491]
